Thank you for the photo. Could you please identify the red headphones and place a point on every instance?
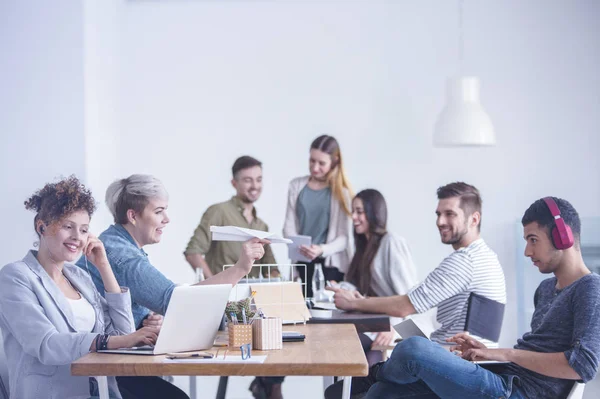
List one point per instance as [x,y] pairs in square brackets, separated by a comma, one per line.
[562,236]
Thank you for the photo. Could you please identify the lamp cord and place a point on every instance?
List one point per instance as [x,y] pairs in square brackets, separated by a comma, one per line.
[461,37]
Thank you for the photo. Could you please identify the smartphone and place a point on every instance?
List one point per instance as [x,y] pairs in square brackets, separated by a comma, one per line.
[292,336]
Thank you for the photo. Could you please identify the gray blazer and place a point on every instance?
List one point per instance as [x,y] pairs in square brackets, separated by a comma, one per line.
[40,339]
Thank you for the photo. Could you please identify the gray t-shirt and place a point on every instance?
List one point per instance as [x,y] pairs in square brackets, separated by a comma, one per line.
[313,209]
[565,320]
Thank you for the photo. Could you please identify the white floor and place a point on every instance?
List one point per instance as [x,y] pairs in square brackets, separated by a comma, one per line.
[295,387]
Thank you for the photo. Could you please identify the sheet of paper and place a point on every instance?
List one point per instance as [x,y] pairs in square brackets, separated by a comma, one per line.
[228,359]
[325,305]
[234,233]
[284,300]
[294,249]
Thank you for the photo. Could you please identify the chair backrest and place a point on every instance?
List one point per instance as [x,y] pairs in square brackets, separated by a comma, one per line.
[484,317]
[3,371]
[576,391]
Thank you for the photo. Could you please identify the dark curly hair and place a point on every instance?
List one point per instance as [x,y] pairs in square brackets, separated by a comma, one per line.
[58,200]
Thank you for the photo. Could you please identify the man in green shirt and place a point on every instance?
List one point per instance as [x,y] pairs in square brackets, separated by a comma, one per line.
[202,252]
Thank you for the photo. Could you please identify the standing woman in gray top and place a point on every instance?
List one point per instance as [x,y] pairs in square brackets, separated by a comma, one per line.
[50,311]
[319,206]
[382,264]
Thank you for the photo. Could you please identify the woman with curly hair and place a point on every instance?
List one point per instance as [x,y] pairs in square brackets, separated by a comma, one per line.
[50,311]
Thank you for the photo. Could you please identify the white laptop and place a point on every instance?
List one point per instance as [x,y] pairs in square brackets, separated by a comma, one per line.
[191,322]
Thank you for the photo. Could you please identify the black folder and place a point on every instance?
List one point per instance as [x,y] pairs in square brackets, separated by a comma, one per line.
[484,317]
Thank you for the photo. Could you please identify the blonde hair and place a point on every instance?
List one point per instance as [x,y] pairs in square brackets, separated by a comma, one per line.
[337,178]
[134,193]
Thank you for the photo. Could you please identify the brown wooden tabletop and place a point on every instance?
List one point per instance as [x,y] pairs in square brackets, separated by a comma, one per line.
[328,350]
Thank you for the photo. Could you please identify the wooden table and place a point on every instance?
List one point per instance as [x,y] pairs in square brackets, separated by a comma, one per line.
[329,350]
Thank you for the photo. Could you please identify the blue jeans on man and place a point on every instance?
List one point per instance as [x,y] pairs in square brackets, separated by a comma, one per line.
[419,368]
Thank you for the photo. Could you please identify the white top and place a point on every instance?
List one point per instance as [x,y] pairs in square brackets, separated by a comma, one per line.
[84,314]
[338,249]
[393,271]
[474,268]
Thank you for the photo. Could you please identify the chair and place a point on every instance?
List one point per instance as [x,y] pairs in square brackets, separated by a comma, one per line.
[3,371]
[576,391]
[484,319]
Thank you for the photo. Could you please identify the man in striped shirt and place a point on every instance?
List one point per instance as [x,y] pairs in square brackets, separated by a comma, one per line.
[472,268]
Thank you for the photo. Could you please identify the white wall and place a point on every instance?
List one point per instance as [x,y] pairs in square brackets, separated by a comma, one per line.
[181,88]
[201,83]
[102,144]
[41,108]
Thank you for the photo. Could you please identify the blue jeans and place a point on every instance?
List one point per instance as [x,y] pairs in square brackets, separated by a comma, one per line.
[419,368]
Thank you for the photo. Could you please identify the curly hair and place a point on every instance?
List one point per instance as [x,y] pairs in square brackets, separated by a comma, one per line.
[57,200]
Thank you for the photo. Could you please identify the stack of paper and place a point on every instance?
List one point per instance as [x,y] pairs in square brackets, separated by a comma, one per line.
[234,233]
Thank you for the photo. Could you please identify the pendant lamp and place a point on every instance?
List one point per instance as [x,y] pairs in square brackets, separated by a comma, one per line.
[463,122]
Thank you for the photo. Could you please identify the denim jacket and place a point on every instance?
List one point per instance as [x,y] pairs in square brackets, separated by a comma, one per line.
[40,338]
[150,289]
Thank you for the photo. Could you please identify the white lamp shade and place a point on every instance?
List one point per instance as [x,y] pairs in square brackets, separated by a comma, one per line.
[463,121]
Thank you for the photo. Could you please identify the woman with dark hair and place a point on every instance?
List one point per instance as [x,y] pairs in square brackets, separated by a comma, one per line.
[319,207]
[50,312]
[382,264]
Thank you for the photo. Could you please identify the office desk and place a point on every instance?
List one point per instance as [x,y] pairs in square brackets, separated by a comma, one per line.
[329,350]
[364,322]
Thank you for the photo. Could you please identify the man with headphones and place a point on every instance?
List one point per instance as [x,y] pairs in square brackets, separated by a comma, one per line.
[562,347]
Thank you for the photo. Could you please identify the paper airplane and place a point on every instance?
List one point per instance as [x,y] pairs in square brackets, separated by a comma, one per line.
[233,233]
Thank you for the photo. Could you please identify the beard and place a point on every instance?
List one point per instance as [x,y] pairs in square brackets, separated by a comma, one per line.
[456,237]
[245,198]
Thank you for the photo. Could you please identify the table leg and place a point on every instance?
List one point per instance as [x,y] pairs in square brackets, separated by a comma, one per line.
[347,386]
[102,387]
[327,381]
[222,390]
[192,387]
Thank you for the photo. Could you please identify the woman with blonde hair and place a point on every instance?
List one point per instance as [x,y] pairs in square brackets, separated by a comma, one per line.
[139,205]
[319,206]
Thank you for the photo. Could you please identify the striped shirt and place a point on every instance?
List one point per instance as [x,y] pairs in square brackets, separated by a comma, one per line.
[474,268]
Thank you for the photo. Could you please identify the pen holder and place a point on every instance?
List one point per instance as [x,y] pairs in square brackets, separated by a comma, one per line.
[239,334]
[267,334]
